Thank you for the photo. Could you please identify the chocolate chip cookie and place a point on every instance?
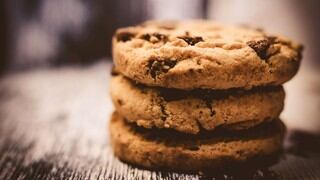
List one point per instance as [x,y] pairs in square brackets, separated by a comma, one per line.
[191,111]
[167,149]
[204,54]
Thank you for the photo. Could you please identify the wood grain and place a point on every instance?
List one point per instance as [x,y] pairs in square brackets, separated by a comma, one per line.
[53,125]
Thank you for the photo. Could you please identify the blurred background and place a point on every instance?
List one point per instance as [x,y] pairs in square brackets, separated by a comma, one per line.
[44,33]
[41,34]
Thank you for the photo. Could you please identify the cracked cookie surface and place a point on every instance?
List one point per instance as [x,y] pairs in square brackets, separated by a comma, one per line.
[203,54]
[170,150]
[191,111]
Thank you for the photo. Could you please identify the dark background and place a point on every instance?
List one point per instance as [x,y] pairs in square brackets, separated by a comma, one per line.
[46,33]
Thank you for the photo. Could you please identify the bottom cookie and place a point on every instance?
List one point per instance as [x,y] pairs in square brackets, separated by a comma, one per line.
[170,150]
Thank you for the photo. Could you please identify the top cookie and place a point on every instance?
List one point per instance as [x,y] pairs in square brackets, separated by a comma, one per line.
[203,54]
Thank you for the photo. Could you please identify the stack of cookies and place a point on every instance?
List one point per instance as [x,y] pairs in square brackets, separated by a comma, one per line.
[198,95]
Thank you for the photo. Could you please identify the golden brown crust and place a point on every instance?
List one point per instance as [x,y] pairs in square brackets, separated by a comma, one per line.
[189,111]
[204,54]
[159,149]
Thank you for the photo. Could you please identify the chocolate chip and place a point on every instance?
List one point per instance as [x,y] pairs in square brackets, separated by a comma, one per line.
[260,47]
[161,37]
[120,102]
[158,66]
[191,40]
[158,36]
[146,37]
[124,36]
[212,112]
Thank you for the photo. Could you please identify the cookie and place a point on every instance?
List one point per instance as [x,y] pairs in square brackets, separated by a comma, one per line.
[165,149]
[204,54]
[191,111]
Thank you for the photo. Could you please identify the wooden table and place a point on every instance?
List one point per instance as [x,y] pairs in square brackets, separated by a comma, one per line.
[53,125]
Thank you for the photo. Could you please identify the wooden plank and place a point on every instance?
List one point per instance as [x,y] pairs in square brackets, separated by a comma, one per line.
[53,125]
